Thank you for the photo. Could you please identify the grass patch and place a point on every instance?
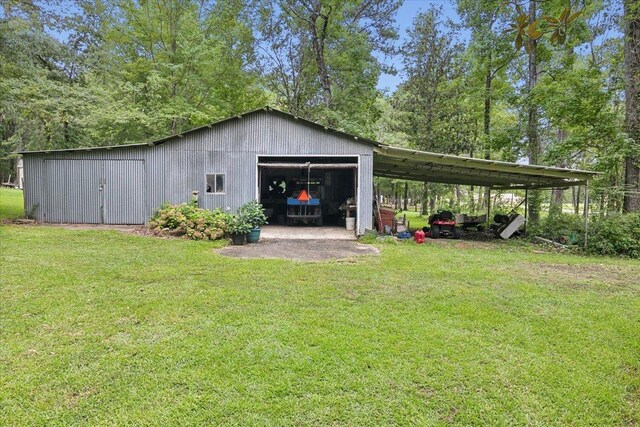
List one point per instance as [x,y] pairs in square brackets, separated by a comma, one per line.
[416,220]
[11,205]
[104,328]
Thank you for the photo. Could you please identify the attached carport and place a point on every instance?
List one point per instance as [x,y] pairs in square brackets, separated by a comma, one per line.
[423,166]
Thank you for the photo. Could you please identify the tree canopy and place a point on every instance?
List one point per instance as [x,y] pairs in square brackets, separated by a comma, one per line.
[551,82]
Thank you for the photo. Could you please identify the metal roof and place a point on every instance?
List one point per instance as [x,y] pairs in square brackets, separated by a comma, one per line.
[210,125]
[415,165]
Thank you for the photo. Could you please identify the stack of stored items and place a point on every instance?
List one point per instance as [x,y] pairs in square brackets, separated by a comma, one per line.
[386,217]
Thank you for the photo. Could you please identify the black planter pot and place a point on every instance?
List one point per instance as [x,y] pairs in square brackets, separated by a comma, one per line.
[238,238]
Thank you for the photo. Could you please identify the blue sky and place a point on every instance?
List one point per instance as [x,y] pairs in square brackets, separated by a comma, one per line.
[404,19]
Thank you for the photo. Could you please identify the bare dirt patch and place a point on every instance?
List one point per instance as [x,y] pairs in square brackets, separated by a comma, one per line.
[303,250]
[579,275]
[465,244]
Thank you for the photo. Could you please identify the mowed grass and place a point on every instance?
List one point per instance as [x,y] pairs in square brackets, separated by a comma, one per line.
[416,221]
[105,328]
[11,206]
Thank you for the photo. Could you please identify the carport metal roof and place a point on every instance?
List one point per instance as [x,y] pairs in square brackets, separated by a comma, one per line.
[414,165]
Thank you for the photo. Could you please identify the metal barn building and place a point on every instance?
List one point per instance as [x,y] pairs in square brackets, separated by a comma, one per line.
[229,163]
[260,155]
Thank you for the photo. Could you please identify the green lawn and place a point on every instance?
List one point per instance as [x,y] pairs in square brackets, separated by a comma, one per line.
[11,206]
[416,220]
[100,327]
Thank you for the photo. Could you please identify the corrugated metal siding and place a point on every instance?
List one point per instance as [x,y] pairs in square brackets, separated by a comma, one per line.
[90,203]
[176,168]
[33,181]
[365,189]
[71,191]
[123,192]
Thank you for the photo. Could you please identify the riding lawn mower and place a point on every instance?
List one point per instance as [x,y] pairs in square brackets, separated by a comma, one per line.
[443,224]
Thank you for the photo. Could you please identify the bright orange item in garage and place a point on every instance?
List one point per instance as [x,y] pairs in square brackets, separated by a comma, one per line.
[303,196]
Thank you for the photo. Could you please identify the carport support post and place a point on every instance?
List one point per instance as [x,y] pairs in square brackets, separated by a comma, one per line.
[526,210]
[488,205]
[586,212]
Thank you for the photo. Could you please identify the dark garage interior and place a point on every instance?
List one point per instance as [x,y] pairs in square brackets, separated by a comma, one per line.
[331,183]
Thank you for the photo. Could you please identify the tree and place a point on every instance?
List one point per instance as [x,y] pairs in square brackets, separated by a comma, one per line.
[532,112]
[492,53]
[436,116]
[319,57]
[40,100]
[125,71]
[529,28]
[632,114]
[430,58]
[182,63]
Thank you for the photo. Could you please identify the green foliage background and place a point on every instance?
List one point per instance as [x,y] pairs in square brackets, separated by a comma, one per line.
[108,72]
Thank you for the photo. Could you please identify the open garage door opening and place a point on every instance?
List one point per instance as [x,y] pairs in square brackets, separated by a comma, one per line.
[309,190]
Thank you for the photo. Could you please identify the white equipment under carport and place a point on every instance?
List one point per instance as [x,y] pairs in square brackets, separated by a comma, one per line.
[510,223]
[514,223]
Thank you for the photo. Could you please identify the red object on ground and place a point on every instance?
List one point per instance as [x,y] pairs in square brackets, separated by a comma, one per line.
[303,196]
[419,236]
[451,222]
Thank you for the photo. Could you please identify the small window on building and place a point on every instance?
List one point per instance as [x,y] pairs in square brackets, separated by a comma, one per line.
[215,183]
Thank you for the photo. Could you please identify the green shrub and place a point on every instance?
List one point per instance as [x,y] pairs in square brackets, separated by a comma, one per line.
[253,213]
[615,235]
[238,224]
[564,228]
[187,219]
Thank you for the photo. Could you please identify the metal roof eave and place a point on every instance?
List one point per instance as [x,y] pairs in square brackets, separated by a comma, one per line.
[469,162]
[502,185]
[402,163]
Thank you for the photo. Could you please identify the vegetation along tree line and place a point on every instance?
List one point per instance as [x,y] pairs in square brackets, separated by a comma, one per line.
[552,82]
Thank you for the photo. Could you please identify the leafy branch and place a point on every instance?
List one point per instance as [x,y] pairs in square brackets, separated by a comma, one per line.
[527,31]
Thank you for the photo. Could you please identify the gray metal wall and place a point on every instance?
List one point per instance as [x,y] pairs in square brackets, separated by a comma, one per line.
[172,170]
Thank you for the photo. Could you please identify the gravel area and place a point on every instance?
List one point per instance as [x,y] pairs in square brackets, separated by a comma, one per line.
[304,250]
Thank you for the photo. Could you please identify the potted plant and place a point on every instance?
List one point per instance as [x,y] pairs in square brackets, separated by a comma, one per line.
[253,212]
[239,227]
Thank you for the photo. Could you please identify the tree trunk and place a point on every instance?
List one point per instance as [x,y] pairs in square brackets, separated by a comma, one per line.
[488,80]
[557,194]
[613,204]
[557,197]
[318,36]
[472,191]
[532,124]
[487,110]
[632,113]
[396,197]
[406,195]
[472,201]
[425,198]
[576,199]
